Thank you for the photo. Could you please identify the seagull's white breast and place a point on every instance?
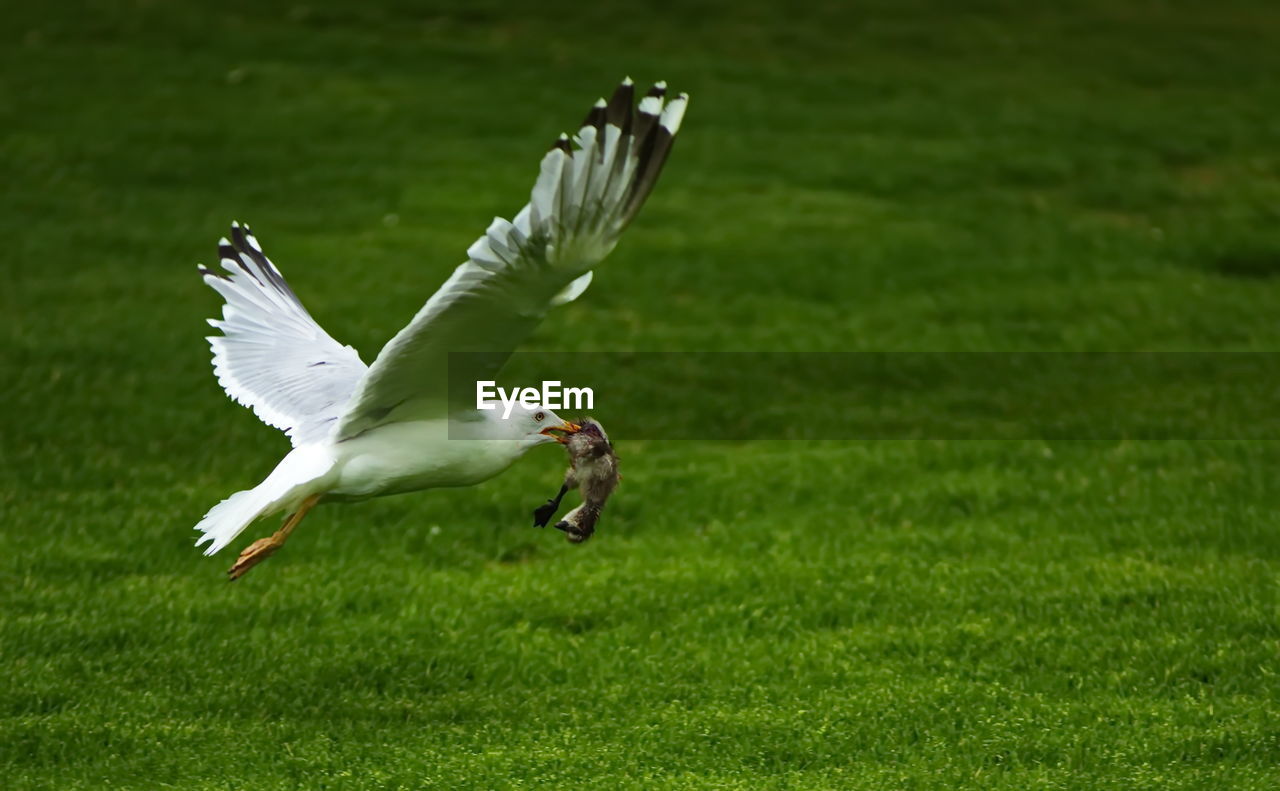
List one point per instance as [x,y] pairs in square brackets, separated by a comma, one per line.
[406,457]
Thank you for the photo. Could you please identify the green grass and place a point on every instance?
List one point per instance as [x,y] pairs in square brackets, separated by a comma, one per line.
[757,615]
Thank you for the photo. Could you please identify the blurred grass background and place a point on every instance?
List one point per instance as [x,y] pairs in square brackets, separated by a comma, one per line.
[885,176]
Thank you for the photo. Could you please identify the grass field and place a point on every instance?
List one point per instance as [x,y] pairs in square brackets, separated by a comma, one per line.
[753,615]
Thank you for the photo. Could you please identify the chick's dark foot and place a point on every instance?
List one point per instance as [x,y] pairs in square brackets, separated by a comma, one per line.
[543,513]
[573,533]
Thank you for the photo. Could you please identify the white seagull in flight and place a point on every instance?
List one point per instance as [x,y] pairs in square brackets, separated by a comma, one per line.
[363,431]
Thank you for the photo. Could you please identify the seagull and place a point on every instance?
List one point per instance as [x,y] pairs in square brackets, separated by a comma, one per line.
[360,431]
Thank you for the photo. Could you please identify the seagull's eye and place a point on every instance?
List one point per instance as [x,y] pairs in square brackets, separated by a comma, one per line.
[541,416]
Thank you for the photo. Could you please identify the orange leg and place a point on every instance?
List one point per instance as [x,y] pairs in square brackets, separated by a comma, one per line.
[264,548]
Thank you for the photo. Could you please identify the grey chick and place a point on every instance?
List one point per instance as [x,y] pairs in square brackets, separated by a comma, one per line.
[593,470]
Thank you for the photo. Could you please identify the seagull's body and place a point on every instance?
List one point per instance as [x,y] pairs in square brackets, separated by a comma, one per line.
[366,431]
[391,459]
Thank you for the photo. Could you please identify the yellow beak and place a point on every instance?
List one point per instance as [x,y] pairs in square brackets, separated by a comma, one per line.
[568,429]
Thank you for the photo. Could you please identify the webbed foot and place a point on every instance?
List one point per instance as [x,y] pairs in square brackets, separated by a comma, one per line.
[254,554]
[543,513]
[573,533]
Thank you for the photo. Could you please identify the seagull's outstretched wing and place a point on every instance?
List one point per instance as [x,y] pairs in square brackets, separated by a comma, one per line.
[586,194]
[272,356]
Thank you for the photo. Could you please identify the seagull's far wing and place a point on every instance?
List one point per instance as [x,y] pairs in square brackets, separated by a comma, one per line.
[586,194]
[272,356]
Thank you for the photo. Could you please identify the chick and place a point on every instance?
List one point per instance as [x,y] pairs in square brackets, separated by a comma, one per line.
[593,470]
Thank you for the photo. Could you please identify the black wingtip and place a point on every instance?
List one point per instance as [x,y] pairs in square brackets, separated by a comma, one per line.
[595,117]
[654,143]
[237,236]
[562,143]
[621,106]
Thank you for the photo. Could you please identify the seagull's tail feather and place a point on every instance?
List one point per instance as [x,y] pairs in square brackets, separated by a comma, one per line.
[299,475]
[229,518]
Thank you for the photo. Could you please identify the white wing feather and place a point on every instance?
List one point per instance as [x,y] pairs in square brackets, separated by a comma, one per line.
[585,196]
[272,356]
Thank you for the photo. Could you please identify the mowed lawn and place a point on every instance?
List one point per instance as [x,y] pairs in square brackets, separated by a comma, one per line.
[752,615]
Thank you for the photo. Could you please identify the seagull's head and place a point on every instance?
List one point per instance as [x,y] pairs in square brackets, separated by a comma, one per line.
[538,426]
